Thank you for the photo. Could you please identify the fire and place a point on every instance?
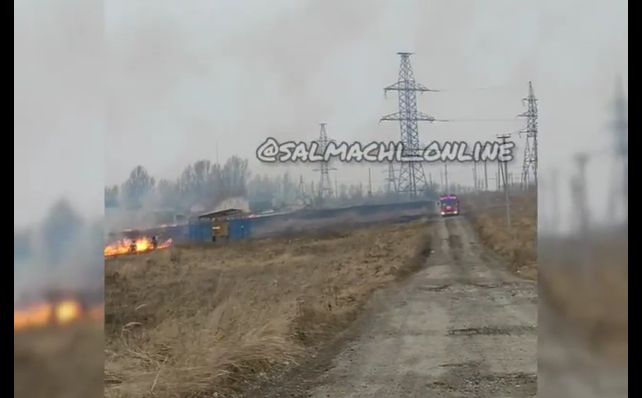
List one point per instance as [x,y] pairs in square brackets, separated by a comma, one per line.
[138,246]
[63,313]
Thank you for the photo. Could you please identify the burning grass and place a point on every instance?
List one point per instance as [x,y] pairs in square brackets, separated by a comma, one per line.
[56,362]
[134,246]
[192,321]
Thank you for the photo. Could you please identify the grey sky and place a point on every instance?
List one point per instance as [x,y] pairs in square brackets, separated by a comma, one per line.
[184,77]
[58,107]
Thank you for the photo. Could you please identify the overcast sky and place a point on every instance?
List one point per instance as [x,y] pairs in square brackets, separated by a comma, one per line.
[185,77]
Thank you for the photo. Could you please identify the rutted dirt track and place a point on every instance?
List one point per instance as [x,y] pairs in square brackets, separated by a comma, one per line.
[460,328]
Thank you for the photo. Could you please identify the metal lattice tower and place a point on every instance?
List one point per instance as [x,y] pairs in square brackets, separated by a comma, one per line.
[621,133]
[391,179]
[529,169]
[325,186]
[412,178]
[302,197]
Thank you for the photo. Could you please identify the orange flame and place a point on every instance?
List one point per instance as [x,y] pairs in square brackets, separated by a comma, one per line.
[138,246]
[62,313]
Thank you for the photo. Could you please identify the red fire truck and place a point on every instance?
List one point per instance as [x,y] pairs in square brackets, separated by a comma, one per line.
[449,205]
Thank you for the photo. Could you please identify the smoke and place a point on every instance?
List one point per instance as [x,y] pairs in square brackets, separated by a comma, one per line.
[58,145]
[234,203]
[62,251]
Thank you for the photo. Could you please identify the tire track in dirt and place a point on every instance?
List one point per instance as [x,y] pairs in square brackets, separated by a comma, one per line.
[454,330]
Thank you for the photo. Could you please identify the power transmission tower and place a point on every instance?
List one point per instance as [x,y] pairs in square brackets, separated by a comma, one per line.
[325,186]
[412,178]
[302,197]
[391,179]
[621,133]
[530,149]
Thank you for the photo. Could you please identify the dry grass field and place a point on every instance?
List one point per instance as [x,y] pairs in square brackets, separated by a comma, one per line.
[59,363]
[592,295]
[518,246]
[214,320]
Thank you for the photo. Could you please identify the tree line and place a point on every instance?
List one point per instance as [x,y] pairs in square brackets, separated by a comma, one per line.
[63,239]
[208,184]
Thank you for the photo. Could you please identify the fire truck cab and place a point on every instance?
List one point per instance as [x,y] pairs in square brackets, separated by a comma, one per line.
[449,205]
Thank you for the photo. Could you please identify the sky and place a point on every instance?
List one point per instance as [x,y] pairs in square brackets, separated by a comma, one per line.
[164,83]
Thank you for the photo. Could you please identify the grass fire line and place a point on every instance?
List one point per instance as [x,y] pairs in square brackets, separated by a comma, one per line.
[66,312]
[134,246]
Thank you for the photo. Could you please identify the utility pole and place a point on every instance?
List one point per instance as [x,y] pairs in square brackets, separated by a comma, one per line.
[325,186]
[412,178]
[530,148]
[504,173]
[476,185]
[485,176]
[555,204]
[581,208]
[446,179]
[369,183]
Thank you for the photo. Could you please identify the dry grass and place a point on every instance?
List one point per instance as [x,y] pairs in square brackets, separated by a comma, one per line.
[591,295]
[212,320]
[59,363]
[517,246]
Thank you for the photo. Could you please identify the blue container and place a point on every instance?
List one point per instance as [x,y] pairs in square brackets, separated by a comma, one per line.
[240,229]
[200,231]
[178,233]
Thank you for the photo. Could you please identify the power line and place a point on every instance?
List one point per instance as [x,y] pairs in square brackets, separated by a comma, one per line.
[474,120]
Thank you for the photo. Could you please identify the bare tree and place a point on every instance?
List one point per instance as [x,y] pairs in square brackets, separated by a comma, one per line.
[111,196]
[60,230]
[137,187]
[234,177]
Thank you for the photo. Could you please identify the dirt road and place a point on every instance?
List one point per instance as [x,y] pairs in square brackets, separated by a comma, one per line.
[460,328]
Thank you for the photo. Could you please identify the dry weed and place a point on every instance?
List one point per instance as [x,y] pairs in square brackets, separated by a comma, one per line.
[593,296]
[517,245]
[199,320]
[59,363]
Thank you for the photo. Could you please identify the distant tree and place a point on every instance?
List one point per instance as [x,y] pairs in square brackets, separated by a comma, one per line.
[111,196]
[262,187]
[234,177]
[168,193]
[199,183]
[60,229]
[22,245]
[137,187]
